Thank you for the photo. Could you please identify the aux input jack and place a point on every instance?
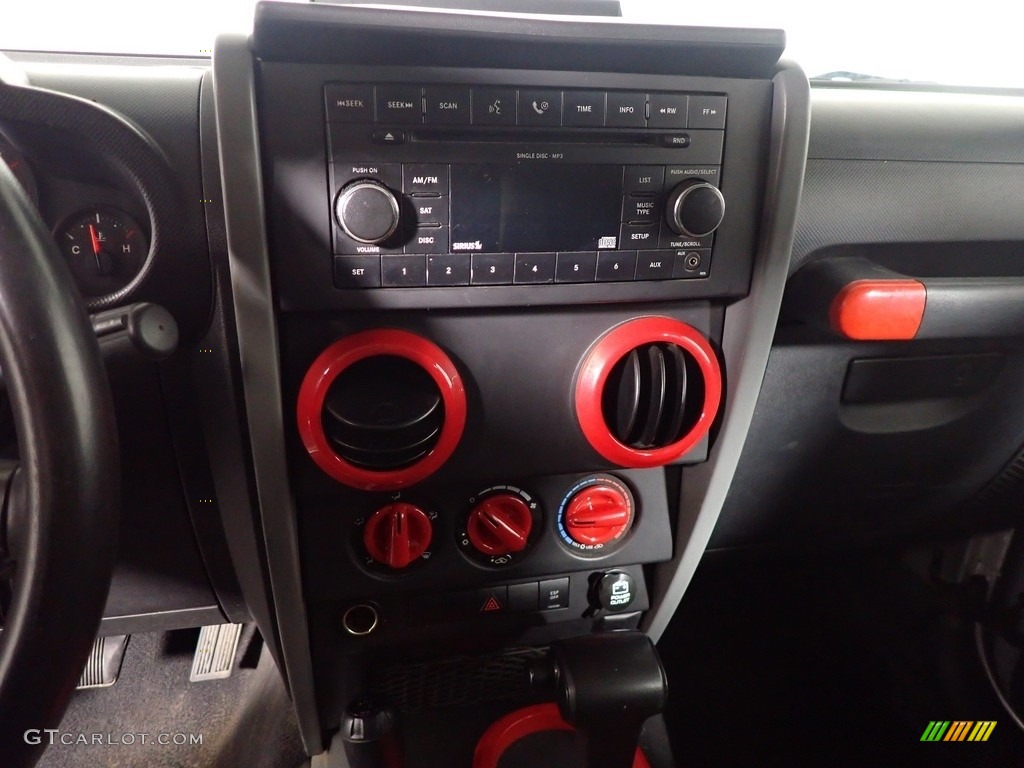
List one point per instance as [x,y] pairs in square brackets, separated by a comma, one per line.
[361,619]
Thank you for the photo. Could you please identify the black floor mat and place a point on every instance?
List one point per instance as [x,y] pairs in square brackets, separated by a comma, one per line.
[842,662]
[245,720]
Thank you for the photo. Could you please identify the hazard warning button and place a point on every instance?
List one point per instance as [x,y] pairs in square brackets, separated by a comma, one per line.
[492,600]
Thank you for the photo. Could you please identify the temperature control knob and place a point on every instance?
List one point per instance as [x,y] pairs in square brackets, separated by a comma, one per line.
[500,524]
[397,535]
[597,515]
[695,208]
[367,211]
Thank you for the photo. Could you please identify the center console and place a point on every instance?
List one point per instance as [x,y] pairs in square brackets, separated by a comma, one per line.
[516,276]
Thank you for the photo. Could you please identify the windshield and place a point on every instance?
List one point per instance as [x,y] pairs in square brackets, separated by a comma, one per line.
[869,39]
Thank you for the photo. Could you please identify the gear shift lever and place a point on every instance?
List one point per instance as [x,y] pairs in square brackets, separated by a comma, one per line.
[606,685]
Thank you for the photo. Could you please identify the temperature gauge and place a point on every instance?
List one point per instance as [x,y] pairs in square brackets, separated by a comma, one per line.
[105,249]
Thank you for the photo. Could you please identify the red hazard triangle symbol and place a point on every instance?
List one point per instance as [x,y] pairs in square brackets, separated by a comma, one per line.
[491,605]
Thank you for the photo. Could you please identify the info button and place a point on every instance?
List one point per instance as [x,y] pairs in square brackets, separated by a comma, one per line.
[627,110]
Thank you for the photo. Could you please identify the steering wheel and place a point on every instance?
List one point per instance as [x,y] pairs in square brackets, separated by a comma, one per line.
[58,524]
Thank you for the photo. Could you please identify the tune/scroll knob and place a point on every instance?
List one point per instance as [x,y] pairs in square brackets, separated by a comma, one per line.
[367,211]
[695,208]
[397,535]
[500,524]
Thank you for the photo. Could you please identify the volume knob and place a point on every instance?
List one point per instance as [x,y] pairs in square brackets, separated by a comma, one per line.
[367,211]
[695,208]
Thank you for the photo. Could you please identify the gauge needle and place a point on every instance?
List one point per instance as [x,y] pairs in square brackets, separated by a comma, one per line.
[94,236]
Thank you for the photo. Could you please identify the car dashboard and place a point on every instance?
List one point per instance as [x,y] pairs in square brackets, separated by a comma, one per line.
[483,339]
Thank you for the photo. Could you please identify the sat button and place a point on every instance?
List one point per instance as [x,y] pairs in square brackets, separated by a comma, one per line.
[431,210]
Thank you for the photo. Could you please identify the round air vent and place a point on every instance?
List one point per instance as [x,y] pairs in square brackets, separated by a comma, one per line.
[648,392]
[381,410]
[383,413]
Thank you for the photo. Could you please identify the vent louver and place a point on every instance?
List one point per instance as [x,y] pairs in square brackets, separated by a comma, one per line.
[648,391]
[653,396]
[383,413]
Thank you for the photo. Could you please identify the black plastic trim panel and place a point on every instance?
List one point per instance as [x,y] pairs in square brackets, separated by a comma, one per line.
[746,343]
[242,185]
[347,35]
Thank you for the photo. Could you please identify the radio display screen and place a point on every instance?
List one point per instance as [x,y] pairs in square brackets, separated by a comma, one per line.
[533,207]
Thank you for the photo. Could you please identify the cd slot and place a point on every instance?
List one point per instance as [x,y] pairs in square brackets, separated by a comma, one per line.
[561,136]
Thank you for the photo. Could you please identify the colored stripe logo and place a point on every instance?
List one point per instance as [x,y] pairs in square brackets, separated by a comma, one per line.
[958,730]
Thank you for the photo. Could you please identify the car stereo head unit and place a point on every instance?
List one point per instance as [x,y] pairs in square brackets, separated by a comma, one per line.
[451,186]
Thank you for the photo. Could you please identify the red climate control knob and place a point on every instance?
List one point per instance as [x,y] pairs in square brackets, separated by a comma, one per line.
[398,534]
[500,524]
[598,515]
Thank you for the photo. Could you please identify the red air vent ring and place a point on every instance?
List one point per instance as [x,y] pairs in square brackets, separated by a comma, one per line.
[524,722]
[350,350]
[602,358]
